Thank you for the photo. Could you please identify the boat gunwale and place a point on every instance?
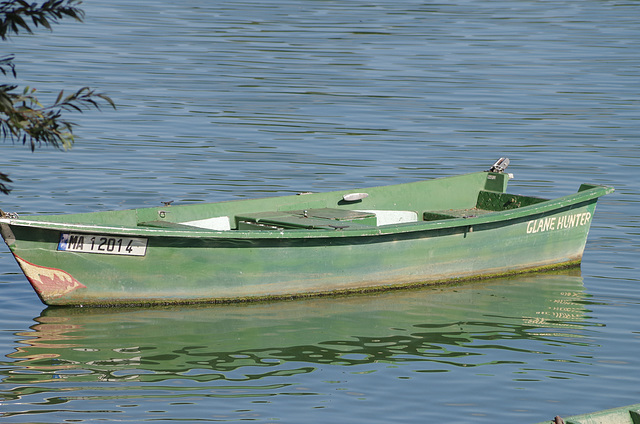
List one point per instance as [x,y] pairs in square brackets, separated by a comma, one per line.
[590,193]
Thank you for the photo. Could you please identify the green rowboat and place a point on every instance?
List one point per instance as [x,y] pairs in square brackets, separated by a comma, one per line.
[623,415]
[425,232]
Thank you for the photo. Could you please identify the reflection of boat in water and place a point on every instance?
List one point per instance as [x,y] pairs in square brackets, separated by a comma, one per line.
[444,325]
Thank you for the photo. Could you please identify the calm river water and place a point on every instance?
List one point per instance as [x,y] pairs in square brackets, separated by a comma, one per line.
[222,100]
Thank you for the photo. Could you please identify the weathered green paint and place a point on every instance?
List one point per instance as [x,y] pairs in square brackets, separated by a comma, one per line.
[623,415]
[298,245]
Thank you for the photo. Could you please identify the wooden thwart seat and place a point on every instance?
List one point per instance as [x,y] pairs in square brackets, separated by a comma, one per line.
[321,218]
[453,213]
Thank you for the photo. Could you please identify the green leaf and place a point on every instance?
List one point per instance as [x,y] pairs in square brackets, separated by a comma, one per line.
[59,97]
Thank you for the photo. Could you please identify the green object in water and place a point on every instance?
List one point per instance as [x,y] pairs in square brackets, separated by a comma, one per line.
[623,415]
[426,232]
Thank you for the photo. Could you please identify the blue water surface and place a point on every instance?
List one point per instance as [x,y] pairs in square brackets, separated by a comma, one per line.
[244,99]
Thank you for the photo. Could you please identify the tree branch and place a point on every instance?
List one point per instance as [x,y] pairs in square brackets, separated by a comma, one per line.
[4,178]
[22,117]
[15,15]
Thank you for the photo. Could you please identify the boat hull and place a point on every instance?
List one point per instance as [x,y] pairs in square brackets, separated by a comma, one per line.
[223,266]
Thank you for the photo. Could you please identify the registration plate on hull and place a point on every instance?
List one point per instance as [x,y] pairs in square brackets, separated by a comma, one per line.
[102,244]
